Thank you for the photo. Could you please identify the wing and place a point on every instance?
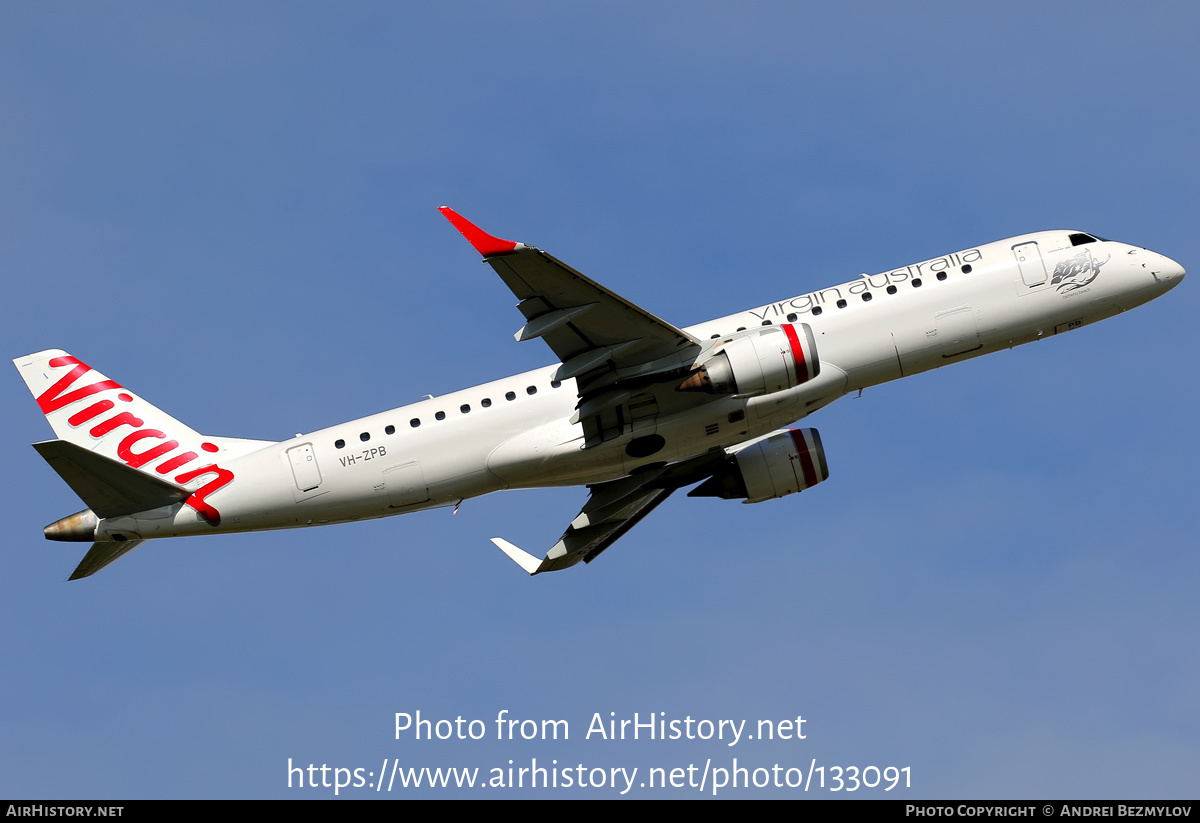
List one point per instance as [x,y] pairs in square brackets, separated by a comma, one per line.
[612,509]
[600,337]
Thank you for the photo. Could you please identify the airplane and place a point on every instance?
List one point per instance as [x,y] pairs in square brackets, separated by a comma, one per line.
[635,409]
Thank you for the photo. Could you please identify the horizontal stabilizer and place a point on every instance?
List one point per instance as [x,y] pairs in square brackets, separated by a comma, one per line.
[109,488]
[101,554]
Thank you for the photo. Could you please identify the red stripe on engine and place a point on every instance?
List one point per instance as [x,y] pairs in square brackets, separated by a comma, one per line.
[806,462]
[797,353]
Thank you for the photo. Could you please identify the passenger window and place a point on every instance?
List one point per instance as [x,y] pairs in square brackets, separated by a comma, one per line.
[511,395]
[339,444]
[486,402]
[841,304]
[365,436]
[916,282]
[531,390]
[867,297]
[941,275]
[440,416]
[390,430]
[792,318]
[966,269]
[464,408]
[817,310]
[416,421]
[891,289]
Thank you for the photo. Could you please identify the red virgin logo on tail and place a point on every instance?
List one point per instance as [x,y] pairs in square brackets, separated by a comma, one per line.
[61,394]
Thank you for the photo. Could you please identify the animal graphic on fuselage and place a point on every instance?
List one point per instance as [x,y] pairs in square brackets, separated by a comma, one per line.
[1077,272]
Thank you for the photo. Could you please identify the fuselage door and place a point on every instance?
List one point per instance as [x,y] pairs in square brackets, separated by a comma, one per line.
[1029,261]
[304,467]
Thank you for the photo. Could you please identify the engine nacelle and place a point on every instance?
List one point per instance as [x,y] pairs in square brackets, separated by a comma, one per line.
[784,463]
[769,359]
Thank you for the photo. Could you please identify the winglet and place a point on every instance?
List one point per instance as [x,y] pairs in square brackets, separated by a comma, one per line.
[484,243]
[519,556]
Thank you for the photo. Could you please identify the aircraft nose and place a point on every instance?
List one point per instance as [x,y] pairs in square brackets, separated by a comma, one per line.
[1167,271]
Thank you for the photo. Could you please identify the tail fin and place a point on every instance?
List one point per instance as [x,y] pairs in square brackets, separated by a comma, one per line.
[86,408]
[99,415]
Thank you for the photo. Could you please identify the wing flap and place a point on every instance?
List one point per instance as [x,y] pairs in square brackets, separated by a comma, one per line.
[586,542]
[612,509]
[543,324]
[596,537]
[546,285]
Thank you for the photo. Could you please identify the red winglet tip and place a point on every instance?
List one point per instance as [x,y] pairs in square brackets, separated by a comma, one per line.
[484,243]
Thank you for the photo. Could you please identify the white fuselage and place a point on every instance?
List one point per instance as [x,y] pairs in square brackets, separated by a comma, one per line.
[519,432]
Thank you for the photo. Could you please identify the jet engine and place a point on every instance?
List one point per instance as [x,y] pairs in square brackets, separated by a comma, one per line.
[783,463]
[766,360]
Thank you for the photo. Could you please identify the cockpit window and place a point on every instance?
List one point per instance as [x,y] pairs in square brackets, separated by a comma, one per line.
[1081,238]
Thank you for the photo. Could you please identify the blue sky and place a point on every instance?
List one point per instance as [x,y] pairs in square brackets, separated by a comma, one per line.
[232,211]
